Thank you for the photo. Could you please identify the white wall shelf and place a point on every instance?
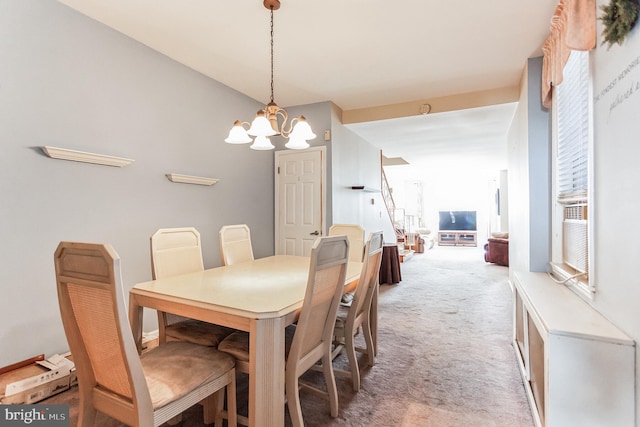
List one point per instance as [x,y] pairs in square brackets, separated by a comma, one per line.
[84,157]
[365,189]
[188,179]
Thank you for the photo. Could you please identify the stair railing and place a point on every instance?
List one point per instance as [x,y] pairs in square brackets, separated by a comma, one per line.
[388,197]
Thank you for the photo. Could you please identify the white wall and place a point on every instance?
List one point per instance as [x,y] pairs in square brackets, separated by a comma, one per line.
[529,177]
[519,182]
[539,171]
[356,162]
[616,87]
[503,214]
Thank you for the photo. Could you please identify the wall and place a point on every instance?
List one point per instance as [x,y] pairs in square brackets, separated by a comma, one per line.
[539,156]
[616,91]
[356,162]
[498,195]
[503,186]
[519,183]
[529,177]
[68,81]
[447,189]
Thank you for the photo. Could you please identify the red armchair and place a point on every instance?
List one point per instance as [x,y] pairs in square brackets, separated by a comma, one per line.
[497,251]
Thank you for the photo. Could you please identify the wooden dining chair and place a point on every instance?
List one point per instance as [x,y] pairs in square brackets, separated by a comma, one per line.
[176,251]
[310,340]
[235,247]
[313,337]
[358,315]
[235,244]
[146,390]
[355,234]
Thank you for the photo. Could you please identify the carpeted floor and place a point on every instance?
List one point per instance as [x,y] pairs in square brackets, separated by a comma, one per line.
[445,355]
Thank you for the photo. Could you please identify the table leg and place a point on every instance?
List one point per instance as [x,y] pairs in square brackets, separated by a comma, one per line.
[266,376]
[373,319]
[135,320]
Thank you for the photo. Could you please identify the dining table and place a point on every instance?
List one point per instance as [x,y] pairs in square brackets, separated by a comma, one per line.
[260,297]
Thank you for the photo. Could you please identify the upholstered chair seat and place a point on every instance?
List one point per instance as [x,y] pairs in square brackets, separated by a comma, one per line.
[174,369]
[237,344]
[197,332]
[343,312]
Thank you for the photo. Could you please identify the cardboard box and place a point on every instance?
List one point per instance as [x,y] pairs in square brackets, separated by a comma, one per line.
[40,382]
[34,381]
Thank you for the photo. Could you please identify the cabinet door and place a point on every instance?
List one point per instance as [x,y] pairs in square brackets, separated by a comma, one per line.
[519,325]
[536,367]
[591,382]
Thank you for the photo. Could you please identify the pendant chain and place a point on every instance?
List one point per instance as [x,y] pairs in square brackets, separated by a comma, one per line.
[272,54]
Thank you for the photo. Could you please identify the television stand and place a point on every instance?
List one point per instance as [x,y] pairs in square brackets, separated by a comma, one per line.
[457,238]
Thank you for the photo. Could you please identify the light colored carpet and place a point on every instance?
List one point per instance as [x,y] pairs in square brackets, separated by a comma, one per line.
[445,355]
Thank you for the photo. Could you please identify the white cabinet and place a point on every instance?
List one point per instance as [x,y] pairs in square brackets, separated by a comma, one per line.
[457,238]
[578,368]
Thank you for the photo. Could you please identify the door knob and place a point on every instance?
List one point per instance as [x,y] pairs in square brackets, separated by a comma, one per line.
[315,233]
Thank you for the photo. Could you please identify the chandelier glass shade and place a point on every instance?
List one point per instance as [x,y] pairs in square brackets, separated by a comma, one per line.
[262,143]
[272,120]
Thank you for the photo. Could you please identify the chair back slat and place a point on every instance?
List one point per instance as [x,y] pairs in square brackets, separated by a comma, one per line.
[176,251]
[355,234]
[93,310]
[369,276]
[235,244]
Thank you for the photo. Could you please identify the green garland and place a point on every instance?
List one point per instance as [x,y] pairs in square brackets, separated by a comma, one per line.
[618,18]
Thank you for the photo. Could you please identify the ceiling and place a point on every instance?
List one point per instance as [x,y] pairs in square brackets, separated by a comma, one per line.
[469,139]
[359,54]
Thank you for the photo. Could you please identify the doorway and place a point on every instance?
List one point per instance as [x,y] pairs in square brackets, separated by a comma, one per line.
[300,200]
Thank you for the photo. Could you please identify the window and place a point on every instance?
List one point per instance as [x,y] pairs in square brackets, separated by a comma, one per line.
[572,174]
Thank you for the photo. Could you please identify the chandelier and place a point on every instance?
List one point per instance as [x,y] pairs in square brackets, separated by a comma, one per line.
[266,123]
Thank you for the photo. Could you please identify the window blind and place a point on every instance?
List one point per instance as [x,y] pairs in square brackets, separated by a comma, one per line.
[572,171]
[572,99]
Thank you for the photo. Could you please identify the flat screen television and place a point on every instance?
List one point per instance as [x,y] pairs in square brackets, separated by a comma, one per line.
[457,221]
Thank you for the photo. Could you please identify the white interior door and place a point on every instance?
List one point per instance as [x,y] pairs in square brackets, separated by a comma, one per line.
[300,200]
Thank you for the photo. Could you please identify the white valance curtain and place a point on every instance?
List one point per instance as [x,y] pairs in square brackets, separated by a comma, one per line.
[573,27]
